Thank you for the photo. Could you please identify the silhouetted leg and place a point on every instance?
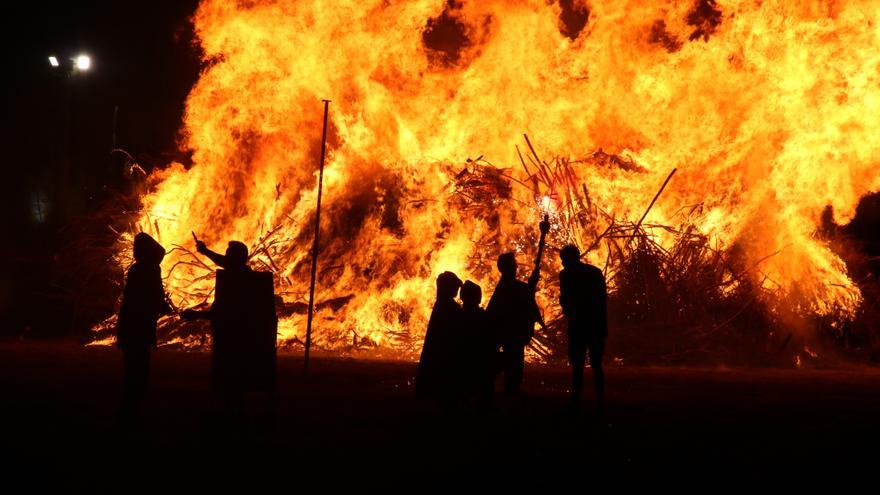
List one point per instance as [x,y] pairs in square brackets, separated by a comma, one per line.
[576,357]
[506,368]
[266,413]
[136,364]
[490,370]
[484,385]
[126,404]
[514,362]
[226,387]
[596,352]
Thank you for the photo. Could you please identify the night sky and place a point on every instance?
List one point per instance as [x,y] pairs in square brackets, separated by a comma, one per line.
[144,61]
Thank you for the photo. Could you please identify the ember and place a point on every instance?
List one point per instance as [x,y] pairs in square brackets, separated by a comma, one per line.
[764,133]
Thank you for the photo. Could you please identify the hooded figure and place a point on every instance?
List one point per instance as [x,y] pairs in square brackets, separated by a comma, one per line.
[143,301]
[434,377]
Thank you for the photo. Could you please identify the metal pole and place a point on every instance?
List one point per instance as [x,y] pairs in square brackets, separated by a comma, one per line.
[655,199]
[315,244]
[115,115]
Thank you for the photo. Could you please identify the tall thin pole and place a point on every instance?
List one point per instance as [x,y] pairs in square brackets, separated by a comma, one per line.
[115,115]
[315,244]
[655,199]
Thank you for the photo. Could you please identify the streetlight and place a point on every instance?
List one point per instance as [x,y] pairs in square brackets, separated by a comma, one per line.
[83,62]
[80,63]
[65,182]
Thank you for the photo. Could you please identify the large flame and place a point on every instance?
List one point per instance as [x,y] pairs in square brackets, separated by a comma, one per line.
[770,111]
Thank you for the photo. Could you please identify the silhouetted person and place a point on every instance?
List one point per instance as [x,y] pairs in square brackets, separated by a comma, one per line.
[513,313]
[435,375]
[243,326]
[143,301]
[583,297]
[480,363]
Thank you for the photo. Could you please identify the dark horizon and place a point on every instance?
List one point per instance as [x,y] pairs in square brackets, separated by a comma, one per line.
[60,171]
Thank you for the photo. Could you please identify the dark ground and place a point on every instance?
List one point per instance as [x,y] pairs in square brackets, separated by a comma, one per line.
[357,419]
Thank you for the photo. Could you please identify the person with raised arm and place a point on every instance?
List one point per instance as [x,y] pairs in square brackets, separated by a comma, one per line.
[243,327]
[513,312]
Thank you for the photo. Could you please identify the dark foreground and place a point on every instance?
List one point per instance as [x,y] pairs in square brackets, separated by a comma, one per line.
[357,419]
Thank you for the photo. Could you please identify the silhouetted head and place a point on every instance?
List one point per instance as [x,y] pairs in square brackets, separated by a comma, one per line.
[570,255]
[471,295]
[507,264]
[236,255]
[147,250]
[447,285]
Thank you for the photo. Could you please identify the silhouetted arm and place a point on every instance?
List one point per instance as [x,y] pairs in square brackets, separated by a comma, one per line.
[603,296]
[601,304]
[195,314]
[536,316]
[536,273]
[598,288]
[565,299]
[492,305]
[157,293]
[217,258]
[492,317]
[539,317]
[533,280]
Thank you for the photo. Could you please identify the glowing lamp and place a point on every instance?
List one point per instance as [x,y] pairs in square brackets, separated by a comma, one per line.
[83,62]
[53,61]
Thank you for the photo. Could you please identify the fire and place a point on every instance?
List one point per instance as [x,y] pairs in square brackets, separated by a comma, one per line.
[769,110]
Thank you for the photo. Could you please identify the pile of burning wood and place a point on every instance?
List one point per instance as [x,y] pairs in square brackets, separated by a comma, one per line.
[685,300]
[691,302]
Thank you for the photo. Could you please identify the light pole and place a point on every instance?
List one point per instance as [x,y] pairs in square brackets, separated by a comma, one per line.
[74,65]
[69,68]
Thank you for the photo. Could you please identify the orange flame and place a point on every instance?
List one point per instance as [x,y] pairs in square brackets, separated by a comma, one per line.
[770,111]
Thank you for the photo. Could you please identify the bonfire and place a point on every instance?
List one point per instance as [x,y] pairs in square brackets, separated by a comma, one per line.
[428,168]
